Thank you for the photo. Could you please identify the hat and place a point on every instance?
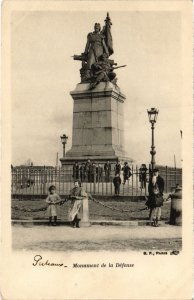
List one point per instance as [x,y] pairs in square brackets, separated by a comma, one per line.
[179,188]
[155,170]
[52,187]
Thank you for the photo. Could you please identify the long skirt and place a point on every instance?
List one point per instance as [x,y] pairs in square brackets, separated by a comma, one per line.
[76,209]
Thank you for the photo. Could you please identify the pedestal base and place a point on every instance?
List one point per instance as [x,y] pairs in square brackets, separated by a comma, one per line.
[84,224]
[98,125]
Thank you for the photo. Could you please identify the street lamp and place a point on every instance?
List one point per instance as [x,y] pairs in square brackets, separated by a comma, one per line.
[152,114]
[64,139]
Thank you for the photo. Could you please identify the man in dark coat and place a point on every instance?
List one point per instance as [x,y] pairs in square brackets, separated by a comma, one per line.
[107,170]
[126,172]
[93,171]
[99,171]
[88,170]
[82,172]
[118,168]
[117,183]
[75,171]
[155,200]
[142,176]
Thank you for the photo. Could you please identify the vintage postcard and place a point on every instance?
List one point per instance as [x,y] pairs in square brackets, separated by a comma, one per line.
[96,185]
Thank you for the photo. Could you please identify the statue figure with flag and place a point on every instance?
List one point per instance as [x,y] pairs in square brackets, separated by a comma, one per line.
[99,45]
[95,47]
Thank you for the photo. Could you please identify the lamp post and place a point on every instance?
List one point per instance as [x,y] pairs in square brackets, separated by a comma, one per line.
[64,139]
[152,114]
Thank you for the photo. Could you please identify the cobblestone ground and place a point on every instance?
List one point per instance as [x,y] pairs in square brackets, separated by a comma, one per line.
[97,238]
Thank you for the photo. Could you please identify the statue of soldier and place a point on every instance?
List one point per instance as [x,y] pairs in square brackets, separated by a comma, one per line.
[95,47]
[102,71]
[96,65]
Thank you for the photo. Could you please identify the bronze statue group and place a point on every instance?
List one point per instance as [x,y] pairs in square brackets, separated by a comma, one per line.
[96,65]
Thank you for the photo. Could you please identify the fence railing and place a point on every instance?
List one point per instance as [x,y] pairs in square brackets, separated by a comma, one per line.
[32,181]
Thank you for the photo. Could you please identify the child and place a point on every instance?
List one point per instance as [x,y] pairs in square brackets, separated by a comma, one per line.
[53,201]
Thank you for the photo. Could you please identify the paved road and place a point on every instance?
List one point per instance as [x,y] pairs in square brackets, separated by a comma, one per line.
[97,238]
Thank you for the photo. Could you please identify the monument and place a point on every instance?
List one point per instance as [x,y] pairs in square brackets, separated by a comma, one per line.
[98,118]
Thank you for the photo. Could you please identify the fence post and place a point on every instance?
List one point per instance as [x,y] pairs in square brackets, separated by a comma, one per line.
[103,180]
[166,178]
[132,181]
[136,185]
[59,180]
[175,176]
[147,177]
[85,220]
[44,181]
[12,180]
[94,174]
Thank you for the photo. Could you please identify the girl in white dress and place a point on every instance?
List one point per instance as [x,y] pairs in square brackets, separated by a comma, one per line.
[53,201]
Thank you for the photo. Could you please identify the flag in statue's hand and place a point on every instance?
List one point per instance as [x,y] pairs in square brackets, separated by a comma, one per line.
[107,33]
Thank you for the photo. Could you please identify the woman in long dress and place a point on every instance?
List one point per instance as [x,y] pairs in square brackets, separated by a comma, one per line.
[77,196]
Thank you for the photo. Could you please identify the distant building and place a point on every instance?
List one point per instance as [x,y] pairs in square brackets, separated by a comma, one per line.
[34,168]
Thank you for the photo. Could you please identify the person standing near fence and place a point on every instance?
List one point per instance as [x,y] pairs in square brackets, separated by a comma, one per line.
[107,171]
[77,196]
[93,172]
[99,171]
[75,171]
[155,199]
[88,170]
[142,176]
[117,183]
[118,168]
[82,172]
[53,201]
[126,172]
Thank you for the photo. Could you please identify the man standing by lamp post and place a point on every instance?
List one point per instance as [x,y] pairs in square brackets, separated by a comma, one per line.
[155,199]
[156,183]
[64,139]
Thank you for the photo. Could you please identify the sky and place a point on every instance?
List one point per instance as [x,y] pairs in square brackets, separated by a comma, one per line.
[44,73]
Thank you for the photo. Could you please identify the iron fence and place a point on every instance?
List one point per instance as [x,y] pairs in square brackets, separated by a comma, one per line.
[32,181]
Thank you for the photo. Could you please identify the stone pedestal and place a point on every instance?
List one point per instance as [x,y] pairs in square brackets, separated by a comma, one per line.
[98,124]
[85,220]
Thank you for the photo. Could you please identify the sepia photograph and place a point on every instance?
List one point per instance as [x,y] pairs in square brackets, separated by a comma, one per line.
[99,125]
[110,106]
